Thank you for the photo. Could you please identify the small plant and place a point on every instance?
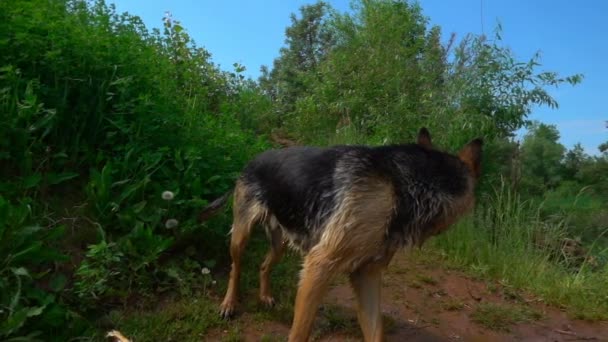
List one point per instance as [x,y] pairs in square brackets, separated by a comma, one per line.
[335,318]
[501,317]
[207,279]
[26,311]
[99,273]
[234,335]
[416,284]
[427,279]
[452,304]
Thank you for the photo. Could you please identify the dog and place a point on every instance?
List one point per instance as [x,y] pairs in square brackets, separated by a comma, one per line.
[346,209]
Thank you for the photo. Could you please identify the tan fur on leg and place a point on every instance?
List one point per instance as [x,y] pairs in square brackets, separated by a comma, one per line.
[315,278]
[237,247]
[367,283]
[246,214]
[367,288]
[354,235]
[277,248]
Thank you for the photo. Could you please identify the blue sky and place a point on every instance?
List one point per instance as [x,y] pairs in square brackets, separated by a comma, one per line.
[570,35]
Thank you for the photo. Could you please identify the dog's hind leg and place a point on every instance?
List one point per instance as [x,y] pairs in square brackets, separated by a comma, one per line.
[315,277]
[247,212]
[277,248]
[240,236]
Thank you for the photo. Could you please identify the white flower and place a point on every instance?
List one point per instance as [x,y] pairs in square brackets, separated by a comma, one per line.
[171,223]
[167,195]
[205,271]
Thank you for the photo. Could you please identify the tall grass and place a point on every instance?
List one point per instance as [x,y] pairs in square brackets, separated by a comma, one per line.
[506,239]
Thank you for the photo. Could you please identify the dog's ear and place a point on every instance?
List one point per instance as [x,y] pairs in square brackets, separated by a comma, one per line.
[470,154]
[424,138]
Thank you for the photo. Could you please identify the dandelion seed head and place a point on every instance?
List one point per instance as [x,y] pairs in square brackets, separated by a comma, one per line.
[205,271]
[168,195]
[171,223]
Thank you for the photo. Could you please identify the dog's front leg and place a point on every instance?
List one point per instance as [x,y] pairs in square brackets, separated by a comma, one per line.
[314,279]
[367,283]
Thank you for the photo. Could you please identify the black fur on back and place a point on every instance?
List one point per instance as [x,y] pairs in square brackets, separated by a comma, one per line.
[299,185]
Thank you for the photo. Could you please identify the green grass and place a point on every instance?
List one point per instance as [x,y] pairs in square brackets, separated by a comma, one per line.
[452,304]
[190,317]
[234,335]
[500,317]
[337,318]
[185,320]
[498,242]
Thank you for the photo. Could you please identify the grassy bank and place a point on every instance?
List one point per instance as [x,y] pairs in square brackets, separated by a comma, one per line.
[507,240]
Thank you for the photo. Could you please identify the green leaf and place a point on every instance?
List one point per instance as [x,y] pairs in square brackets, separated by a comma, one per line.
[27,252]
[20,271]
[44,121]
[137,208]
[29,231]
[55,315]
[179,163]
[60,155]
[53,178]
[213,178]
[32,180]
[58,282]
[55,233]
[14,322]
[35,311]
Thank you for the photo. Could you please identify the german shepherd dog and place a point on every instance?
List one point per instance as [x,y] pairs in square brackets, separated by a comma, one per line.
[346,209]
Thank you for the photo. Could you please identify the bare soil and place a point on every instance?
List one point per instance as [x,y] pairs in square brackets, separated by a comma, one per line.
[426,302]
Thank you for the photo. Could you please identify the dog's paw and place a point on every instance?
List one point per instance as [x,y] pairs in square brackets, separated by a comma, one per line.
[227,309]
[268,301]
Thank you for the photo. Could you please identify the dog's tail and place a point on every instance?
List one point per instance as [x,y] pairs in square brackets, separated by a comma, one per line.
[214,207]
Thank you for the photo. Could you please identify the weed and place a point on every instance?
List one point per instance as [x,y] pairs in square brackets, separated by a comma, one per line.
[234,335]
[427,279]
[415,284]
[336,318]
[182,320]
[501,317]
[452,304]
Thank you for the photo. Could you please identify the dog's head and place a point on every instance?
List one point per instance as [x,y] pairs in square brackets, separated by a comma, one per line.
[469,154]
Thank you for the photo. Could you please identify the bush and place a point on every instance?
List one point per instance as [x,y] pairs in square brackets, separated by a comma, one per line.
[30,309]
[102,115]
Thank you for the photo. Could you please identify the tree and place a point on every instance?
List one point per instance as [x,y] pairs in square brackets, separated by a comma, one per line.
[604,146]
[573,161]
[382,76]
[541,155]
[308,41]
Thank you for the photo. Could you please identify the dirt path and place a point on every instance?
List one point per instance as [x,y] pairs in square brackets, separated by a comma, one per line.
[426,303]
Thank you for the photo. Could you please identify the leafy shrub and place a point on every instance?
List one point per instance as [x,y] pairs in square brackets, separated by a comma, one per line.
[99,111]
[27,308]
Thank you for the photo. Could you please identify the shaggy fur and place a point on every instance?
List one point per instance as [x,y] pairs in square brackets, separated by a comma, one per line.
[346,209]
